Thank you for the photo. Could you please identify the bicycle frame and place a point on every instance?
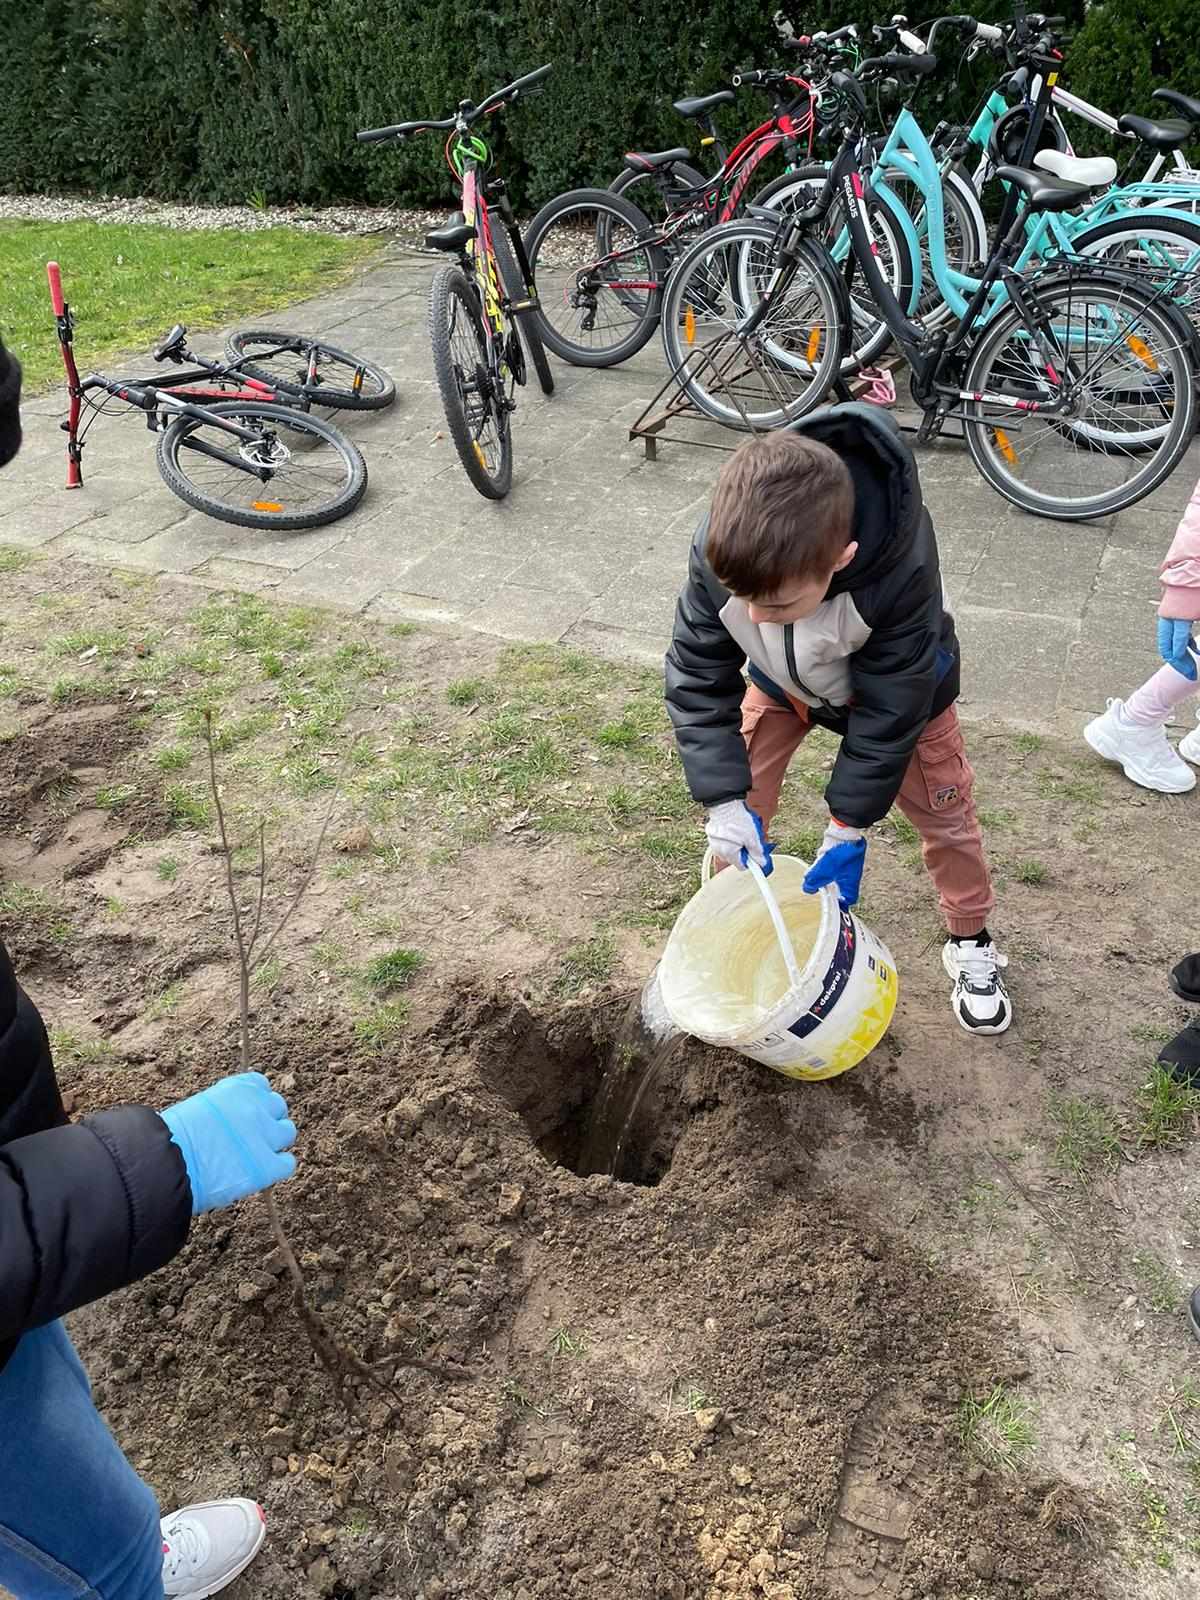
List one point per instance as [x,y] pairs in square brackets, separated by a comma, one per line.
[732,178]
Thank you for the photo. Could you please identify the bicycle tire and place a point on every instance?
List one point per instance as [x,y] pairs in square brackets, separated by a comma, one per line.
[826,300]
[1159,330]
[514,288]
[643,312]
[1163,225]
[382,394]
[899,271]
[451,297]
[174,439]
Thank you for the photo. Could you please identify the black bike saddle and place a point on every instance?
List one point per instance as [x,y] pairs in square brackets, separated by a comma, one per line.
[171,344]
[1043,192]
[1185,104]
[697,105]
[1161,135]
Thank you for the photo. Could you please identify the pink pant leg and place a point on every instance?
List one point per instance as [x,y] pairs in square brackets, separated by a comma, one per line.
[1154,702]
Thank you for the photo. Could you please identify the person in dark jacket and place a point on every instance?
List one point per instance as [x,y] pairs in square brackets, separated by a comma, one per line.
[86,1208]
[816,572]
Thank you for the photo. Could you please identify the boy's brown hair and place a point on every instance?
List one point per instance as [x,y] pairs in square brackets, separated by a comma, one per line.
[783,509]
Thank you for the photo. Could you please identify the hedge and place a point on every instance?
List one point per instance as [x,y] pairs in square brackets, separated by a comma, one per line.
[230,100]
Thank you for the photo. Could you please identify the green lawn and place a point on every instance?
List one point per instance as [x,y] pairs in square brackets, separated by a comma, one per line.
[128,282]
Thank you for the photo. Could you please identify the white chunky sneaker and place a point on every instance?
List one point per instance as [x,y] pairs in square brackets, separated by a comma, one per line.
[207,1546]
[1143,754]
[978,999]
[1189,745]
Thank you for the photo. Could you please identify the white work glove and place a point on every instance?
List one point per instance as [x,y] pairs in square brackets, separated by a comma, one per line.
[735,833]
[837,833]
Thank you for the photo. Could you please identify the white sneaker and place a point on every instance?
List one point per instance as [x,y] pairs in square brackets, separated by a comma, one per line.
[1189,745]
[207,1546]
[1143,754]
[978,999]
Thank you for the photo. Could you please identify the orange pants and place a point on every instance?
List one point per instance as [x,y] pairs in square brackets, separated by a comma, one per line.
[937,797]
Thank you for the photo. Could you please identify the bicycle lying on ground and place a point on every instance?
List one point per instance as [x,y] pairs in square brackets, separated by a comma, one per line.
[1073,381]
[477,305]
[229,444]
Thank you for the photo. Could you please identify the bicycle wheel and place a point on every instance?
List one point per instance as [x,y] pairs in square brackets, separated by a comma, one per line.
[514,288]
[642,191]
[965,236]
[339,379]
[477,410]
[1118,372]
[1163,250]
[788,363]
[869,334]
[310,474]
[599,277]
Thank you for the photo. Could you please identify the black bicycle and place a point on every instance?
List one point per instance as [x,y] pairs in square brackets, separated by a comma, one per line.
[477,306]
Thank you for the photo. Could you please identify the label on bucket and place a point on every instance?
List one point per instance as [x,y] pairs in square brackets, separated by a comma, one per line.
[836,977]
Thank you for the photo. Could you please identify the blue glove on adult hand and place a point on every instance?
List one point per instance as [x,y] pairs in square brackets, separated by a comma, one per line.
[1175,645]
[233,1136]
[840,861]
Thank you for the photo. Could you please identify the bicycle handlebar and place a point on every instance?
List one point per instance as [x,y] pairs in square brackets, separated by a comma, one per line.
[56,294]
[466,113]
[895,65]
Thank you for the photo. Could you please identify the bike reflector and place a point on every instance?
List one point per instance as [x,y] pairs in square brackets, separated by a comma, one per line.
[479,455]
[814,344]
[1142,351]
[265,505]
[1004,447]
[689,325]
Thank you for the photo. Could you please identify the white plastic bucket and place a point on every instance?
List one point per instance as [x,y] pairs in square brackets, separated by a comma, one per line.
[809,1013]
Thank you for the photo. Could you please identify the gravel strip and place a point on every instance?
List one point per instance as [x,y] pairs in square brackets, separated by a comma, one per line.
[407,221]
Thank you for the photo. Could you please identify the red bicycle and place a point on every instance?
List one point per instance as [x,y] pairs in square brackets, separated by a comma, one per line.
[234,446]
[601,263]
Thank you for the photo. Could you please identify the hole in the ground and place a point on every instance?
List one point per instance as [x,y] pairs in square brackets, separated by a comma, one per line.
[595,1096]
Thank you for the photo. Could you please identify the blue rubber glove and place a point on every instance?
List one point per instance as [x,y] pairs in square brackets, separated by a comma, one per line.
[1175,645]
[233,1136]
[840,861]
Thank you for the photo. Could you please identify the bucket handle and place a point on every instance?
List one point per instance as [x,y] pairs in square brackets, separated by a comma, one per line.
[773,911]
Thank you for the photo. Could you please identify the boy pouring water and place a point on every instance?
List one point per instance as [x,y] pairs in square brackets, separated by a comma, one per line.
[816,571]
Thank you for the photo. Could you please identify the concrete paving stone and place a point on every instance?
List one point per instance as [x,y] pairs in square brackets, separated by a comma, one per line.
[1014,661]
[639,602]
[1088,682]
[188,544]
[1121,624]
[42,517]
[462,571]
[1024,572]
[233,574]
[372,556]
[529,614]
[576,567]
[617,644]
[961,547]
[1127,575]
[396,605]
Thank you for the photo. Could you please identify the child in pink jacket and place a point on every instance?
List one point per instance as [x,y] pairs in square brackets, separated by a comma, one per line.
[1133,732]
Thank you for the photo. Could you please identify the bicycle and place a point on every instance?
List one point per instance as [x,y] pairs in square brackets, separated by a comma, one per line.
[605,264]
[1072,357]
[477,305]
[230,445]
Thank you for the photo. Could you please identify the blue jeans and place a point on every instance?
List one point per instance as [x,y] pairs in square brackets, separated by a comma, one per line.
[76,1521]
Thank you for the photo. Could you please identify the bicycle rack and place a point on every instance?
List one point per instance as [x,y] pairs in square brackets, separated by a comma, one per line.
[729,361]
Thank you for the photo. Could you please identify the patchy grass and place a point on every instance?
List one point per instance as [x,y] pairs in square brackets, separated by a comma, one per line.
[394,970]
[469,692]
[1159,1284]
[381,1028]
[1032,873]
[997,1429]
[569,1342]
[1086,1137]
[1166,1110]
[129,281]
[173,757]
[14,560]
[166,868]
[586,965]
[1027,744]
[78,1049]
[188,805]
[165,1004]
[32,914]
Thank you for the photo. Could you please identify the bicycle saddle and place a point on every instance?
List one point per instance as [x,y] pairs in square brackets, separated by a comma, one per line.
[699,104]
[1043,193]
[171,343]
[1185,104]
[1096,173]
[647,160]
[1162,135]
[452,235]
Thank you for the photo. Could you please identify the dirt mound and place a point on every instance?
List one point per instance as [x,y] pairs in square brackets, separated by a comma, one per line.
[713,1384]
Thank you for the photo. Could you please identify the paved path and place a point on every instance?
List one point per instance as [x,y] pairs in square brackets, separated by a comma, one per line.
[590,546]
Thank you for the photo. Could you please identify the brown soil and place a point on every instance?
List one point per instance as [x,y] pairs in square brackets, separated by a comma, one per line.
[739,1371]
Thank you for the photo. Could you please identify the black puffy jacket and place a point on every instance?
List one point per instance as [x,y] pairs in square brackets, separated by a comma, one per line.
[85,1207]
[877,660]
